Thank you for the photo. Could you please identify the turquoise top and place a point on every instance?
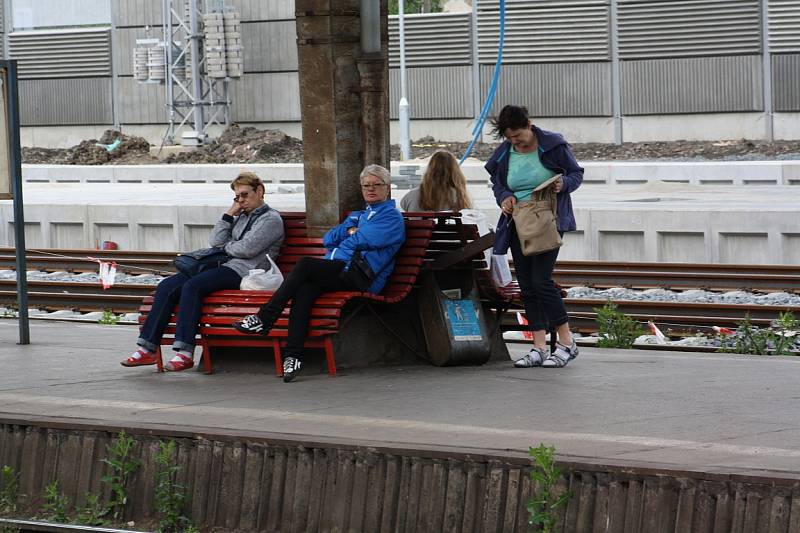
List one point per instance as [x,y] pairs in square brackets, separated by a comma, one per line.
[525,173]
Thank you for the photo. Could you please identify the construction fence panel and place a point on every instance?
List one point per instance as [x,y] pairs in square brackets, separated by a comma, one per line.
[688,28]
[46,102]
[553,89]
[266,97]
[434,92]
[140,103]
[786,82]
[692,85]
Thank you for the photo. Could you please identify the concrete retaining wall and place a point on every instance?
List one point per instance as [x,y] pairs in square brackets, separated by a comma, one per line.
[257,482]
[737,173]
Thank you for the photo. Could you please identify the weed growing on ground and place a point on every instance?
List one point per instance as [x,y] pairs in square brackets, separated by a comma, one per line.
[56,505]
[616,329]
[108,318]
[10,311]
[778,339]
[92,513]
[169,495]
[544,504]
[9,490]
[122,466]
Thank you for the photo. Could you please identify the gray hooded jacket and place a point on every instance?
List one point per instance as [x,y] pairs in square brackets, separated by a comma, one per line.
[265,236]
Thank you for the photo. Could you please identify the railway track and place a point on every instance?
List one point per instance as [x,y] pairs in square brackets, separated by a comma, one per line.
[597,274]
[123,298]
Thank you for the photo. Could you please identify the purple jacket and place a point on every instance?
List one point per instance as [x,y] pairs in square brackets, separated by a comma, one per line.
[556,155]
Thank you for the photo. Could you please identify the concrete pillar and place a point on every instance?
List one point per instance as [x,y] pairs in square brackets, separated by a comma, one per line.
[331,94]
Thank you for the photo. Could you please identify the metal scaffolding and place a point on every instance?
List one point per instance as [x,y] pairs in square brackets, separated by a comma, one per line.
[193,97]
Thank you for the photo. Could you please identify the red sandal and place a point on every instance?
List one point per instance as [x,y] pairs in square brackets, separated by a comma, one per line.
[185,363]
[140,358]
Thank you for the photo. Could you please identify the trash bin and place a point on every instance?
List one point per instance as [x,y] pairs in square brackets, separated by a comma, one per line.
[454,322]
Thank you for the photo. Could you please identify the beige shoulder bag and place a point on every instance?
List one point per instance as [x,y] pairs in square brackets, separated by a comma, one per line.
[535,220]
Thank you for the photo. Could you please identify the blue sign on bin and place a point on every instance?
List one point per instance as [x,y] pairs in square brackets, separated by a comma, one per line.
[463,318]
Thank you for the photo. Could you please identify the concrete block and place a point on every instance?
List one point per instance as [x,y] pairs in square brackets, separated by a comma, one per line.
[596,172]
[790,173]
[749,248]
[67,235]
[620,245]
[681,247]
[791,248]
[142,173]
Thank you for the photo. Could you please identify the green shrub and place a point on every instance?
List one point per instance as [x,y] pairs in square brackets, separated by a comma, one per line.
[108,318]
[122,466]
[544,504]
[56,505]
[169,495]
[778,339]
[92,513]
[616,329]
[9,490]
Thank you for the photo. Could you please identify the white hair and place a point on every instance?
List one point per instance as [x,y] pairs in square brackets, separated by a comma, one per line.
[378,171]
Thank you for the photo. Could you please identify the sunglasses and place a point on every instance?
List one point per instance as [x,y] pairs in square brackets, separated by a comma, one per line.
[241,196]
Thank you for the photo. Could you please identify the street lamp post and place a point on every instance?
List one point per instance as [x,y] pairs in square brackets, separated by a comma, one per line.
[405,136]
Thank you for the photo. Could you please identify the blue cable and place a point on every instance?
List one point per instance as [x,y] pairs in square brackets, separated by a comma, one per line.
[487,105]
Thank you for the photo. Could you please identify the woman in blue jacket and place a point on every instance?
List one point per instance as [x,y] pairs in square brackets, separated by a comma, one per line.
[528,157]
[374,234]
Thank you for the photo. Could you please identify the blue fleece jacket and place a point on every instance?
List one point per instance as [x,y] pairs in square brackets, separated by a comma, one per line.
[381,233]
[555,154]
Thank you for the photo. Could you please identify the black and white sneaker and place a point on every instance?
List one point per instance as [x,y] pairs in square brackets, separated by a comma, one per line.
[291,367]
[249,324]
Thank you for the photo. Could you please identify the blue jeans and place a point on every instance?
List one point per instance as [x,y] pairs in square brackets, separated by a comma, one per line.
[189,292]
[544,306]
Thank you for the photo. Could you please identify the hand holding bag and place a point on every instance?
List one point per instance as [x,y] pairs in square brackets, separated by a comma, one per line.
[535,220]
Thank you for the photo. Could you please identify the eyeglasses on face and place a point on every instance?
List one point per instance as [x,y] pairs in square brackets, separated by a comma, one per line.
[241,196]
[370,186]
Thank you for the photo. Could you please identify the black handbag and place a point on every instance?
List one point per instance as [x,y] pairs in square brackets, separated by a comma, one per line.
[193,263]
[358,274]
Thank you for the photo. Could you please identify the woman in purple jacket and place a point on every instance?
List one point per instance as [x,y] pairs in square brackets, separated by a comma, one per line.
[528,157]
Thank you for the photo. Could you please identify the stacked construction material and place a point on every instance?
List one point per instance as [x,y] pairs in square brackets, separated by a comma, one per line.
[156,63]
[214,34]
[233,43]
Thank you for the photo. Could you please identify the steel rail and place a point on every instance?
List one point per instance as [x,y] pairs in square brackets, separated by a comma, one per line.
[24,526]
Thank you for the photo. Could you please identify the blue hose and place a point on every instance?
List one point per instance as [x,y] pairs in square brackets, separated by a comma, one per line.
[487,105]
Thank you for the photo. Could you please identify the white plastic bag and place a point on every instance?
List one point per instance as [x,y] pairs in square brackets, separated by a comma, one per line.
[500,270]
[498,264]
[259,280]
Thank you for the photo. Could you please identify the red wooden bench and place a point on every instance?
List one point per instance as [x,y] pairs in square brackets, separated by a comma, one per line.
[328,316]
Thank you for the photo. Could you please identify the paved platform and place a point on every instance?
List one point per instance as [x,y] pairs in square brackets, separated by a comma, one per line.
[712,413]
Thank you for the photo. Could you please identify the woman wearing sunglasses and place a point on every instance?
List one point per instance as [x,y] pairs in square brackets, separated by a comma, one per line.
[360,257]
[247,231]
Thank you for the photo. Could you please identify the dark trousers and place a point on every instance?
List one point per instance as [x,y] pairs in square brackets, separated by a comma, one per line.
[189,292]
[544,306]
[309,278]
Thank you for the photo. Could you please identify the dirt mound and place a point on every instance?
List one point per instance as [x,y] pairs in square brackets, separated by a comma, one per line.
[245,145]
[251,145]
[113,148]
[666,151]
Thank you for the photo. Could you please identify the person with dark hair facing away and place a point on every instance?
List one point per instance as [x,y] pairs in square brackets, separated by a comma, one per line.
[528,157]
[443,187]
[248,231]
[374,235]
